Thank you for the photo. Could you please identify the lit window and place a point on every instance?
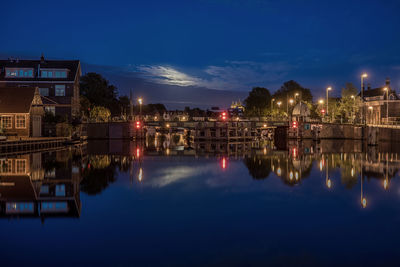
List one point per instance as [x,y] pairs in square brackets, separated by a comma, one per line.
[21,165]
[23,207]
[6,166]
[50,74]
[60,190]
[19,72]
[60,90]
[44,189]
[6,122]
[44,74]
[50,109]
[20,121]
[44,91]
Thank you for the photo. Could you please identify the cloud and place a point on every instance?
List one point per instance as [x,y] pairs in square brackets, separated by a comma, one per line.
[233,75]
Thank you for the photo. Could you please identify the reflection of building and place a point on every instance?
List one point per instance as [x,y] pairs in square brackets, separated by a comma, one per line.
[29,189]
[21,111]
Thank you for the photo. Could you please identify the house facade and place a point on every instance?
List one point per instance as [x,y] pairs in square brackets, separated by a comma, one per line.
[21,111]
[381,104]
[57,80]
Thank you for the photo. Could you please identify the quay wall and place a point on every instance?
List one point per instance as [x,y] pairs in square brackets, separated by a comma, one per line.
[113,130]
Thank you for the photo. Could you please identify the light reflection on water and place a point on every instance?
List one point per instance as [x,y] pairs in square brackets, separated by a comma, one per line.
[128,203]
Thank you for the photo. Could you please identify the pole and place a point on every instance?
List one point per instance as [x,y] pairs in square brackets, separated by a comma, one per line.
[363,121]
[387,106]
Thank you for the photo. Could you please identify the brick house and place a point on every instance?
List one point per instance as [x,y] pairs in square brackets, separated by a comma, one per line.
[21,111]
[57,80]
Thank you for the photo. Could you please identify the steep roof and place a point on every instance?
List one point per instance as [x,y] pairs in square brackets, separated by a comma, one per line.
[72,65]
[16,99]
[378,92]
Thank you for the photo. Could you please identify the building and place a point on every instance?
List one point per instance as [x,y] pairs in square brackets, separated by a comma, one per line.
[57,80]
[21,111]
[382,104]
[236,109]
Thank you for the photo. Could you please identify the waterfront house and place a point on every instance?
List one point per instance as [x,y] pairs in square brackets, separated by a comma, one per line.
[57,80]
[21,111]
[381,106]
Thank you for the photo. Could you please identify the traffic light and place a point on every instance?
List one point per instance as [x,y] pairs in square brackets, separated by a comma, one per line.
[294,124]
[323,111]
[138,124]
[223,116]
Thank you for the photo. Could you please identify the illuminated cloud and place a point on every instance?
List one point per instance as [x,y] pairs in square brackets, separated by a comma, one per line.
[234,75]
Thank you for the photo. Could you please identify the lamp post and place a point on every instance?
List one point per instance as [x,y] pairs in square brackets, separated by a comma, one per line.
[290,101]
[140,100]
[352,110]
[372,113]
[387,104]
[327,99]
[272,104]
[364,75]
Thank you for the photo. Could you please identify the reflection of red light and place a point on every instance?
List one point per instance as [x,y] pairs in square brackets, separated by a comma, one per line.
[223,163]
[323,111]
[138,124]
[137,152]
[294,152]
[88,165]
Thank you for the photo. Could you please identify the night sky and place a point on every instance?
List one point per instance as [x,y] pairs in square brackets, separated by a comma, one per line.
[216,44]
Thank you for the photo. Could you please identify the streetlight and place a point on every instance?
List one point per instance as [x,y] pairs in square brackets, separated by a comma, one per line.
[327,95]
[287,106]
[140,100]
[353,111]
[364,75]
[279,104]
[272,104]
[387,104]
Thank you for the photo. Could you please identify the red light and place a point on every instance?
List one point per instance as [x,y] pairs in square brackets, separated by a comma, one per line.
[138,124]
[294,152]
[294,124]
[223,163]
[223,117]
[323,111]
[137,152]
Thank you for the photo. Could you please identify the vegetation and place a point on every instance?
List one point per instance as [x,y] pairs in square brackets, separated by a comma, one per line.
[100,114]
[258,102]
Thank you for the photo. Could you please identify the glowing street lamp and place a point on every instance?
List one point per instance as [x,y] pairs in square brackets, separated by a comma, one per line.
[387,104]
[321,101]
[140,100]
[363,76]
[279,104]
[327,95]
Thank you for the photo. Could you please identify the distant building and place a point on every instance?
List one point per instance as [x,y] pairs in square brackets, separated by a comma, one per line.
[301,112]
[236,109]
[21,111]
[57,80]
[377,104]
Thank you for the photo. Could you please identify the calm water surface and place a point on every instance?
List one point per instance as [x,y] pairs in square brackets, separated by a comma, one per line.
[128,204]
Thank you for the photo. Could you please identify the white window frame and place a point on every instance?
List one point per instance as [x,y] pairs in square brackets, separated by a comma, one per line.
[54,73]
[16,122]
[17,166]
[2,121]
[3,165]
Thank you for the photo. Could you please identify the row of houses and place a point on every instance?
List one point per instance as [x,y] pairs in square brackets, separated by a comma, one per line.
[29,88]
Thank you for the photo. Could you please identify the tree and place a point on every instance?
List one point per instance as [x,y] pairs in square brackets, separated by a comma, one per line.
[100,113]
[258,101]
[288,91]
[348,106]
[99,92]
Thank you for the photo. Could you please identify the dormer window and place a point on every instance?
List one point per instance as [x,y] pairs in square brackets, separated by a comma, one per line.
[53,73]
[19,73]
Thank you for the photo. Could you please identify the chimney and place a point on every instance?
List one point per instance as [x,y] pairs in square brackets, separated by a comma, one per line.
[42,58]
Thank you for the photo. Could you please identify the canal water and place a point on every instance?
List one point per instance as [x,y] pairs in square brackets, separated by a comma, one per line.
[128,204]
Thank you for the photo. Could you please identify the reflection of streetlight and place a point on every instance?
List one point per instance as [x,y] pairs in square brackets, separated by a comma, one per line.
[140,175]
[279,171]
[279,103]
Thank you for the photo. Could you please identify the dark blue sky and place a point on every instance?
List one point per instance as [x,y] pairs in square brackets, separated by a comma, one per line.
[218,44]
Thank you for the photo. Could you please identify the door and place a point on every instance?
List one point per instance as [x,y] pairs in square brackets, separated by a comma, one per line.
[36,126]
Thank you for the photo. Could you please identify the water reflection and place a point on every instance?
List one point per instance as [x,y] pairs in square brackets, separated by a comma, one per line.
[49,184]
